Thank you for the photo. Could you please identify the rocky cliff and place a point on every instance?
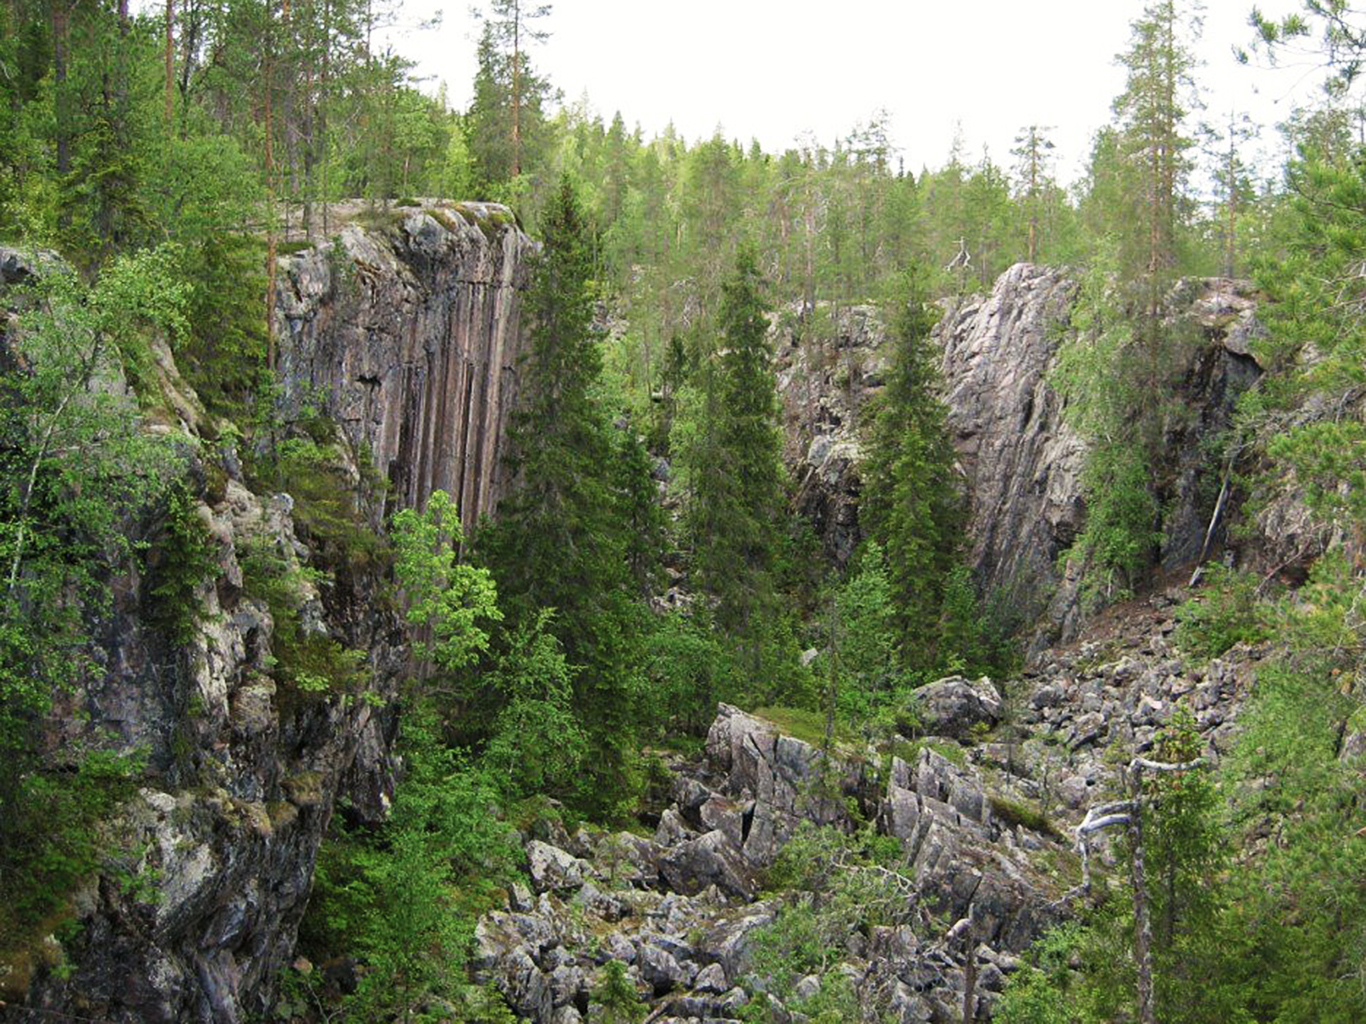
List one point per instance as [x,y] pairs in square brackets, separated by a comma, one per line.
[826,368]
[1021,463]
[407,335]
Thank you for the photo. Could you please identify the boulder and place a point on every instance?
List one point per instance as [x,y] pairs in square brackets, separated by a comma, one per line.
[552,869]
[956,706]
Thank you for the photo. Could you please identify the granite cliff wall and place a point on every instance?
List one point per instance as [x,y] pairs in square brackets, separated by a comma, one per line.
[407,336]
[404,334]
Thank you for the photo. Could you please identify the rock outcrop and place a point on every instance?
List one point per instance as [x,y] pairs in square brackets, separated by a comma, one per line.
[408,337]
[681,909]
[1023,463]
[982,821]
[826,367]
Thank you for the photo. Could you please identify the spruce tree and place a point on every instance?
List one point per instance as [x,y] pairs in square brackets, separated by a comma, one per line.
[911,505]
[559,541]
[730,452]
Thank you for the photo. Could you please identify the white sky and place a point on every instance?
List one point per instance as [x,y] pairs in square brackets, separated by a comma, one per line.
[771,69]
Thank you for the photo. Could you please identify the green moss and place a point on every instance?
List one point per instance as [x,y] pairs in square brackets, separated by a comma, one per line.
[492,223]
[909,750]
[1023,814]
[291,248]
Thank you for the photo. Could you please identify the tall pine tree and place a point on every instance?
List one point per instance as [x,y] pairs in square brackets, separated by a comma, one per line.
[730,451]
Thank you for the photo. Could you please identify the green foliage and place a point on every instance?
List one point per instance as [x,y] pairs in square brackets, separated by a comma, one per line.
[560,540]
[76,474]
[835,884]
[1328,460]
[1225,614]
[329,506]
[805,725]
[1022,813]
[53,839]
[1038,993]
[1102,371]
[538,746]
[446,601]
[405,898]
[178,566]
[867,635]
[911,505]
[689,669]
[728,449]
[1303,929]
[307,662]
[616,997]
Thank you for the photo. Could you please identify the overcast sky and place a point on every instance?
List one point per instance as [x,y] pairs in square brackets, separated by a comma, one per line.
[772,69]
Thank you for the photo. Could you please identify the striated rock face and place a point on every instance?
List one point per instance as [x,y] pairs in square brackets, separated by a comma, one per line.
[1022,463]
[408,337]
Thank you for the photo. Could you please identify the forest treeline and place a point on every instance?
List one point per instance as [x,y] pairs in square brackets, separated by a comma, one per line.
[171,157]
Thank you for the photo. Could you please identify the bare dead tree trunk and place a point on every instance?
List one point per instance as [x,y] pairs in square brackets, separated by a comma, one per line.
[1143,929]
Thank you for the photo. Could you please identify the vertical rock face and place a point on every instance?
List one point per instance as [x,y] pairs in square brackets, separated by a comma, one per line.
[1023,463]
[405,335]
[408,337]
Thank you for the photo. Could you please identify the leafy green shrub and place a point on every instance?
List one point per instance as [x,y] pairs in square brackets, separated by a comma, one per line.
[328,504]
[1223,614]
[404,898]
[1038,992]
[306,662]
[690,669]
[52,837]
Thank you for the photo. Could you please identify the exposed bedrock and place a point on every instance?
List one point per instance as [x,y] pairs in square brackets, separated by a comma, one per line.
[1020,461]
[408,336]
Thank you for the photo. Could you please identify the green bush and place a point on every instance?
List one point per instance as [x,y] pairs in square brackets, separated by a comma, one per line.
[1223,614]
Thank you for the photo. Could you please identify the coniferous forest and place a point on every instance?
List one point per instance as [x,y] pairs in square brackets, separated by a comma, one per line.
[867,593]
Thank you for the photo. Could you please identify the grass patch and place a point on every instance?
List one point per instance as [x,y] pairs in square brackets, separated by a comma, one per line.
[807,726]
[1024,814]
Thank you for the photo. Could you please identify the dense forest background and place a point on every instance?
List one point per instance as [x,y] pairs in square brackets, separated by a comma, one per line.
[173,158]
